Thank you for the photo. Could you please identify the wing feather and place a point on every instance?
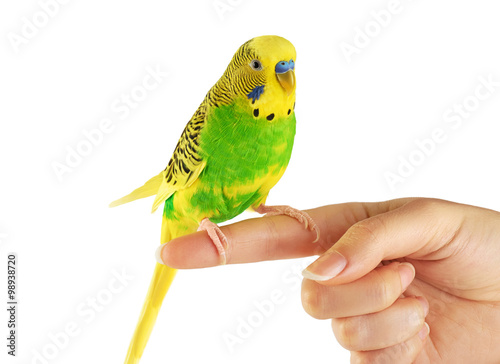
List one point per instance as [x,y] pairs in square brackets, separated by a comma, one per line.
[183,168]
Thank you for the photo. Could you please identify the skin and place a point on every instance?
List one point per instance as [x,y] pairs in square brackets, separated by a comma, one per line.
[365,280]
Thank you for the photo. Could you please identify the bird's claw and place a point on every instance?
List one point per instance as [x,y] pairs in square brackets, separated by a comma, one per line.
[217,236]
[301,216]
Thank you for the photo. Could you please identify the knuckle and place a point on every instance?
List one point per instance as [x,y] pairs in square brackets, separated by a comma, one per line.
[359,358]
[385,288]
[368,230]
[312,299]
[347,331]
[416,318]
[401,353]
[428,205]
[404,349]
[385,356]
[382,292]
[272,237]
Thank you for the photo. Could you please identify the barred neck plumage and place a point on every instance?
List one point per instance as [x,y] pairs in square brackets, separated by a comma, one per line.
[234,82]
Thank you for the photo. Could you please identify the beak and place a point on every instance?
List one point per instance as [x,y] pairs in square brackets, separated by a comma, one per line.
[287,81]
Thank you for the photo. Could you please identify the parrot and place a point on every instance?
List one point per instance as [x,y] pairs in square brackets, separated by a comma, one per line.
[233,150]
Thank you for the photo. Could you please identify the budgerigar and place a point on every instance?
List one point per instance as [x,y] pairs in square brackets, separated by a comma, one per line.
[232,152]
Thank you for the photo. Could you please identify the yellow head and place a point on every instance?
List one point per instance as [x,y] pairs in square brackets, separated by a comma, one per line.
[262,71]
[275,57]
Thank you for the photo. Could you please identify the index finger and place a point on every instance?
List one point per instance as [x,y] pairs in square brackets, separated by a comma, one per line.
[272,238]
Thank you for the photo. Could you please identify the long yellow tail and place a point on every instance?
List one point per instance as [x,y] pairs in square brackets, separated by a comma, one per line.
[162,276]
[160,283]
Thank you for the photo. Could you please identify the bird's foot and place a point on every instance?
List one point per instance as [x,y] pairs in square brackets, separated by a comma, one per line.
[300,216]
[217,236]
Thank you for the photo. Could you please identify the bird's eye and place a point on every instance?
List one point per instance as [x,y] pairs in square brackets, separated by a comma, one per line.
[292,64]
[256,65]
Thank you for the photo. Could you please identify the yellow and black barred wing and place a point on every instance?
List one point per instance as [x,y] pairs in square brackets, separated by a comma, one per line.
[183,169]
[186,164]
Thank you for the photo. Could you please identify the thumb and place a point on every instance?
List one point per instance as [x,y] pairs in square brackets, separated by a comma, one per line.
[414,229]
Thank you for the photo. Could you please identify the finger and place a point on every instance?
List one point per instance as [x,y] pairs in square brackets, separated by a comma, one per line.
[394,325]
[374,292]
[403,353]
[265,238]
[418,229]
[271,238]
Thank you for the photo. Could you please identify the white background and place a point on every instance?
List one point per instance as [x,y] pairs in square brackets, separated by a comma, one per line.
[355,120]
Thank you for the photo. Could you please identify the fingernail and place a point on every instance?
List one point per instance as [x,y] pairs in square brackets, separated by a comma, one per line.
[326,267]
[425,331]
[424,303]
[406,273]
[158,254]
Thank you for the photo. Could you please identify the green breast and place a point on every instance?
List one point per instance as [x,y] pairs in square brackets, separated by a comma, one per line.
[240,149]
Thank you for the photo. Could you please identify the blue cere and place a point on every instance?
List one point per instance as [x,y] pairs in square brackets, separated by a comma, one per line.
[255,93]
[283,66]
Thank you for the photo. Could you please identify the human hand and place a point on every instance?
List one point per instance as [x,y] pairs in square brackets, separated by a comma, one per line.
[454,249]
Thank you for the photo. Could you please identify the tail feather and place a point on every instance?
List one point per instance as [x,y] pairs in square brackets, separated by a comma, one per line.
[160,283]
[162,278]
[150,188]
